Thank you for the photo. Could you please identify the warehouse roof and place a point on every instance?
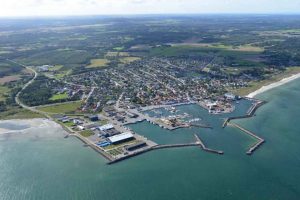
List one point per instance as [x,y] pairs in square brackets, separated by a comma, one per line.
[120,137]
[106,127]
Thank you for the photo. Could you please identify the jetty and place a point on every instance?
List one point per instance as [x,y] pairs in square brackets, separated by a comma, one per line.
[201,126]
[167,146]
[256,145]
[197,143]
[201,144]
[250,112]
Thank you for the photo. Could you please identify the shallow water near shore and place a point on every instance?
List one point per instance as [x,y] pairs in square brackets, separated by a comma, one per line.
[41,164]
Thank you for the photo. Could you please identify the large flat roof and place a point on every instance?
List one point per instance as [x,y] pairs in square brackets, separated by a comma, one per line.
[106,127]
[120,137]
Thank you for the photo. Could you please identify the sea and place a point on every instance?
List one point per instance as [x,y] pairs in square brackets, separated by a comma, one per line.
[38,163]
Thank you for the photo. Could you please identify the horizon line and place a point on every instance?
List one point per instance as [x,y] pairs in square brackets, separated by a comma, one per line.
[147,14]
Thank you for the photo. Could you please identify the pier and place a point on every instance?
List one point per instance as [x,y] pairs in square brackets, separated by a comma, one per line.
[225,122]
[201,144]
[250,112]
[167,146]
[201,126]
[255,146]
[197,143]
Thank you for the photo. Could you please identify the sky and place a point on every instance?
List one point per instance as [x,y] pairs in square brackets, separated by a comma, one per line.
[121,7]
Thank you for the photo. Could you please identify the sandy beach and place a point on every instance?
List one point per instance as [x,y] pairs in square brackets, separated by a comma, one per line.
[273,85]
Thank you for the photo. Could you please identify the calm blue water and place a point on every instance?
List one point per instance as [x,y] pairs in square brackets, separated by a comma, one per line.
[43,165]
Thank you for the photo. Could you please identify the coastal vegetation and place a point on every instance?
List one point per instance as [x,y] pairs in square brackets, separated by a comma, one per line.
[18,113]
[255,85]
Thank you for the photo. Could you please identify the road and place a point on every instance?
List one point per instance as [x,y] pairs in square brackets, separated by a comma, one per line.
[17,97]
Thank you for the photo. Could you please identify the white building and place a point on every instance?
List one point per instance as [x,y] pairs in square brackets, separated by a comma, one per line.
[121,137]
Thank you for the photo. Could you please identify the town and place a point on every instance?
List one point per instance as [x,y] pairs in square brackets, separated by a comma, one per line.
[113,98]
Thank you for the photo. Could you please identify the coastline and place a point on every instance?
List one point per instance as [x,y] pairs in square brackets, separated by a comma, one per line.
[273,85]
[27,124]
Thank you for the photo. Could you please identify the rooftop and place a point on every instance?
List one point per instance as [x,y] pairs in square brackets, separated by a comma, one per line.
[120,137]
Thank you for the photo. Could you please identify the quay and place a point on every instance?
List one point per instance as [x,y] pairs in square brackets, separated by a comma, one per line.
[255,146]
[129,156]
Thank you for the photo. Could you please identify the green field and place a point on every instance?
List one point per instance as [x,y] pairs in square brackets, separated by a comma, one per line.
[87,133]
[59,96]
[98,63]
[71,107]
[126,60]
[57,57]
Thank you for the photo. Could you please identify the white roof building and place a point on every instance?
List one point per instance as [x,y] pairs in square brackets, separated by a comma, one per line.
[120,137]
[106,127]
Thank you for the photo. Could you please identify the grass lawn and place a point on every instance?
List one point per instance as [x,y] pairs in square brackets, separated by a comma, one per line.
[59,96]
[257,85]
[87,133]
[70,107]
[98,63]
[69,124]
[19,113]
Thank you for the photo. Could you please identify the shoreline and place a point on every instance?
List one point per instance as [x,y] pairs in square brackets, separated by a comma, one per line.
[273,85]
[27,125]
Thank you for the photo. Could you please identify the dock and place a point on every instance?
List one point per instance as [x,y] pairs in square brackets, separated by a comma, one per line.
[256,145]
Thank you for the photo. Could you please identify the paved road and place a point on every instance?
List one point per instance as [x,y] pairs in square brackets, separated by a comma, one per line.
[17,97]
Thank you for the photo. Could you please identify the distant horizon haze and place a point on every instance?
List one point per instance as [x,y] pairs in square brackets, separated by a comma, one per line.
[48,8]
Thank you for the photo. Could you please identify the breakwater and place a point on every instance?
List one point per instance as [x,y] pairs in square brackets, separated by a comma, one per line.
[250,112]
[201,144]
[256,145]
